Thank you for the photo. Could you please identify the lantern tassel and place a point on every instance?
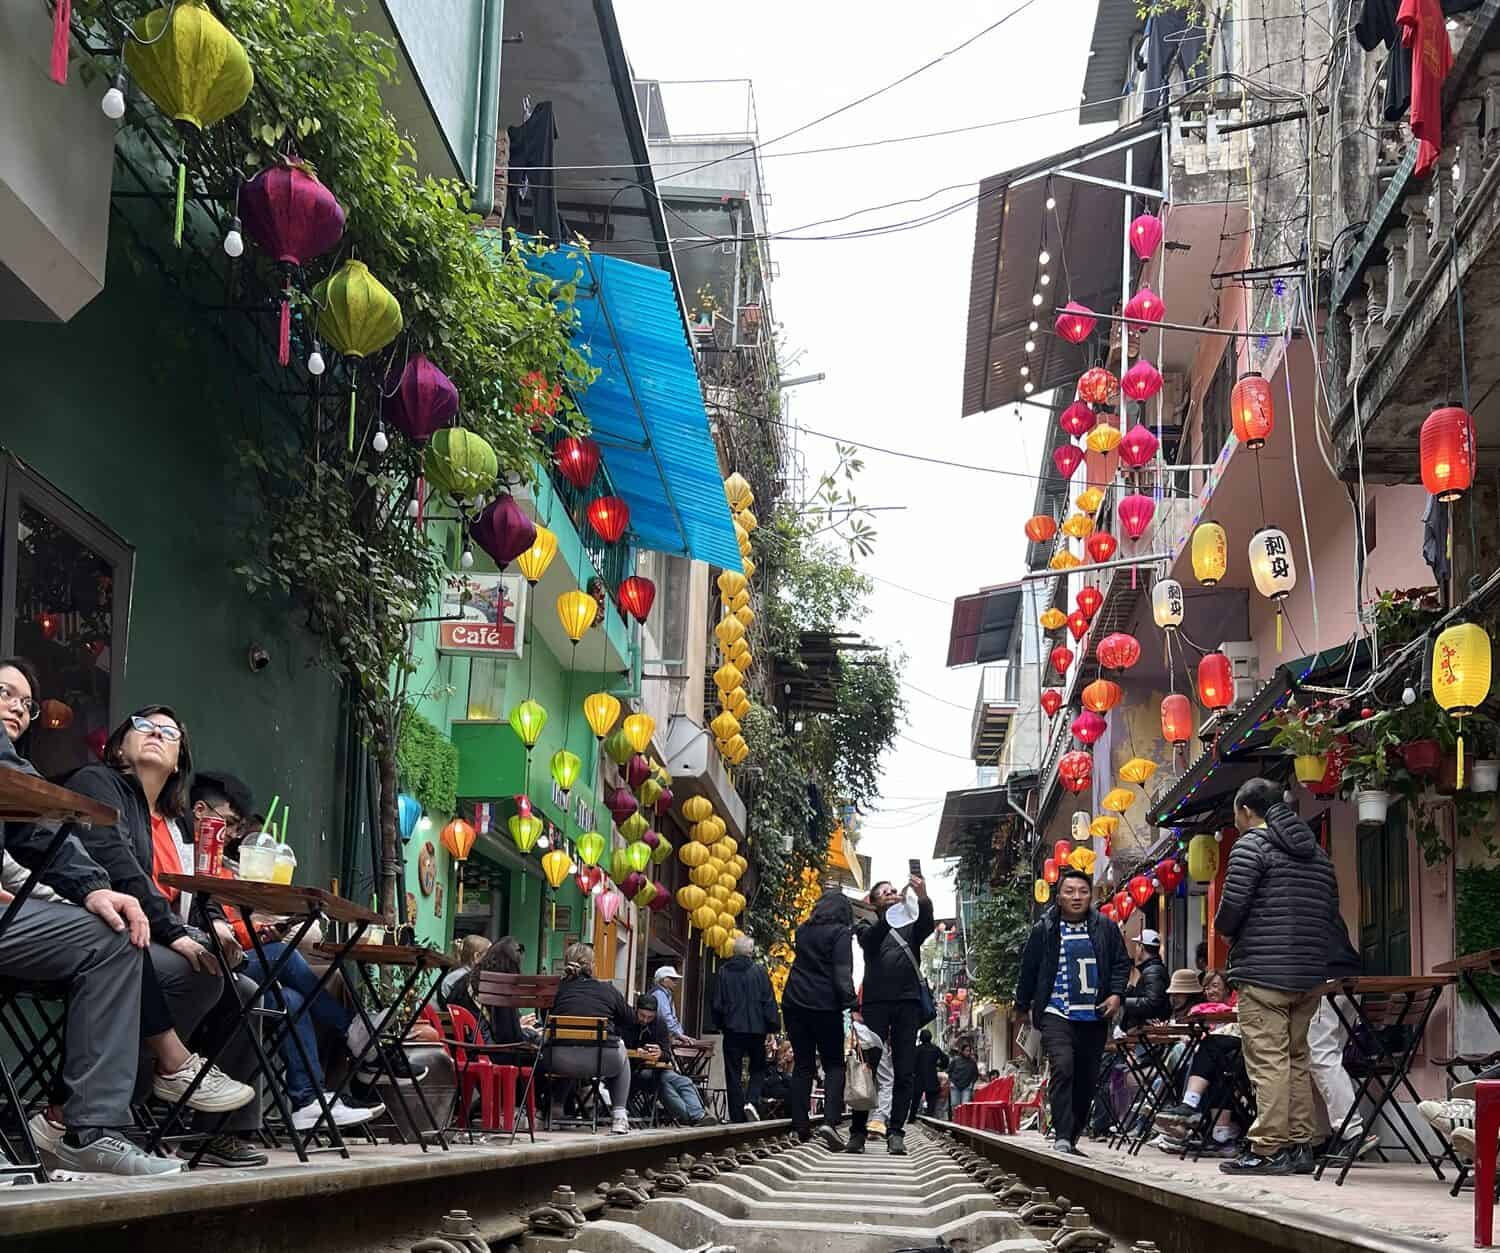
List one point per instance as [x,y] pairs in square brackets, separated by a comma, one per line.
[353,400]
[1459,782]
[181,202]
[1278,628]
[62,20]
[460,888]
[284,337]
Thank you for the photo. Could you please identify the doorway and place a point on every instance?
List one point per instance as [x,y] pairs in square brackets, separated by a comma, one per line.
[1384,896]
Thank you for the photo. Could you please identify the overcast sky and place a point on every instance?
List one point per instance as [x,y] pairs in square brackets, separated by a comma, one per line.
[885,317]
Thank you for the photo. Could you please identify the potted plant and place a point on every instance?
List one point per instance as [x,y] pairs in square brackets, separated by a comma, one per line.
[1307,735]
[1481,736]
[1371,769]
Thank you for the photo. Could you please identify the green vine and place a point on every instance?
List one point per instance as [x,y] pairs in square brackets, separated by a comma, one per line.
[427,763]
[997,932]
[1476,919]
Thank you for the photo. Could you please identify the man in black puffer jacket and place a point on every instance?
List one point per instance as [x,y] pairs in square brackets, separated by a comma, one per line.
[1280,911]
[1146,1000]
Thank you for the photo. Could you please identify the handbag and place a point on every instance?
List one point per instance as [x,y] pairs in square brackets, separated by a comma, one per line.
[924,992]
[860,1091]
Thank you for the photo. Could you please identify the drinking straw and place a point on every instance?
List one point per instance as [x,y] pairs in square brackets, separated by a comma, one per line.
[271,811]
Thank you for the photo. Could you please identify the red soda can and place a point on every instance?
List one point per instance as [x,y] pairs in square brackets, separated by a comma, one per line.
[209,858]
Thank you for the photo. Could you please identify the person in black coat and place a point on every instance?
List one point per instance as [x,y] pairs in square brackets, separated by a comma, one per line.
[818,991]
[930,1060]
[1280,910]
[1073,973]
[744,1007]
[1146,999]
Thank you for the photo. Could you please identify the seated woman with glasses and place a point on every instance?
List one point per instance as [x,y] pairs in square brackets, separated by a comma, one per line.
[144,777]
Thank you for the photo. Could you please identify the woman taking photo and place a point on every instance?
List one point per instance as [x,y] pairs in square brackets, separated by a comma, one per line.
[818,991]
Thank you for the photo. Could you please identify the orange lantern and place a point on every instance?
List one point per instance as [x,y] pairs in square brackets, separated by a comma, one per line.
[1448,453]
[1102,695]
[1105,437]
[1040,528]
[1098,386]
[1215,681]
[458,839]
[1251,410]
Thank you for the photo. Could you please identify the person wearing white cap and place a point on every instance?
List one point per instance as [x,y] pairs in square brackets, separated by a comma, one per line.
[664,982]
[1146,999]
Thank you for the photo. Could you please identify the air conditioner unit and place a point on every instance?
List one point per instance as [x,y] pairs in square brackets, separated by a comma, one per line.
[1244,664]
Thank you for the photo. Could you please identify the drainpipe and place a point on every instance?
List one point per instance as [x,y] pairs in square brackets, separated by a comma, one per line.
[489,108]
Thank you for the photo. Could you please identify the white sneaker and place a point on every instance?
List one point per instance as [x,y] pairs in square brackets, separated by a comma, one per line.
[1446,1115]
[620,1126]
[306,1118]
[216,1094]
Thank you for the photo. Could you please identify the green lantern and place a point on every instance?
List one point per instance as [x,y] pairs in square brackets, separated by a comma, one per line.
[527,720]
[638,854]
[590,846]
[634,827]
[525,831]
[357,314]
[565,769]
[460,463]
[619,865]
[648,792]
[646,895]
[662,851]
[618,748]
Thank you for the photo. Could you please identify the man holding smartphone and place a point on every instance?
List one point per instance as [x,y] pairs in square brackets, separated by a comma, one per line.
[894,999]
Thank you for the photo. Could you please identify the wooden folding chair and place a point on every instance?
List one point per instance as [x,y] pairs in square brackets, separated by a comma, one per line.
[573,1031]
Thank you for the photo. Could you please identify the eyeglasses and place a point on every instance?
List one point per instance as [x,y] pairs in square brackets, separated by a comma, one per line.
[162,730]
[12,699]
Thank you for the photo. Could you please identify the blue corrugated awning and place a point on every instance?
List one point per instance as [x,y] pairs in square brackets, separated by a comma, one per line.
[646,406]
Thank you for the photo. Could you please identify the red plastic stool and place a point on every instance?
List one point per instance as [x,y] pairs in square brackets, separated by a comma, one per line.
[1486,1137]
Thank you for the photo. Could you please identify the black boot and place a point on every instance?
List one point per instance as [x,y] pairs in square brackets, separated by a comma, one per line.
[895,1144]
[856,1142]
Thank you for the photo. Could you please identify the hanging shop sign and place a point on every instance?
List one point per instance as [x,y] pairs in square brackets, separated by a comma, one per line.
[482,615]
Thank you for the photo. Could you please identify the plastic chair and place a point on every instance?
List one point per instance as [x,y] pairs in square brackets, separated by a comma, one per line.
[476,1073]
[1486,1137]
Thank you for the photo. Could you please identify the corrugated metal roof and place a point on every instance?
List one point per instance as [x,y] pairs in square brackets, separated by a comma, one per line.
[1085,264]
[646,406]
[1116,25]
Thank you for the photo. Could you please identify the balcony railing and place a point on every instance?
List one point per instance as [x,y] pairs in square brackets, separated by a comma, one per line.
[999,692]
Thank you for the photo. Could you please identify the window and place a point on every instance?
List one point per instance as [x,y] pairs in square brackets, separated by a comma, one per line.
[1215,422]
[65,607]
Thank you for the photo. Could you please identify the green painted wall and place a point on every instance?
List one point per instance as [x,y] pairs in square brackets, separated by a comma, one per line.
[430,929]
[444,39]
[132,410]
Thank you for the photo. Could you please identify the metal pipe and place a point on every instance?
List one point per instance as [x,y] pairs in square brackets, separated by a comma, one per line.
[489,108]
[1129,187]
[1147,559]
[1271,332]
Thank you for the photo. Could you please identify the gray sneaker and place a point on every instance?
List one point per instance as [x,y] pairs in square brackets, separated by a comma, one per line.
[112,1155]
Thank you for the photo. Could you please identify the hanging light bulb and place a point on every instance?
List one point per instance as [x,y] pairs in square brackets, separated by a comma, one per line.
[234,242]
[1044,257]
[315,363]
[380,443]
[113,103]
[1046,278]
[1036,299]
[467,559]
[413,508]
[1031,345]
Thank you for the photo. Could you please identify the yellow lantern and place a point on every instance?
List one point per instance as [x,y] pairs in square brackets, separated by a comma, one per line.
[735,603]
[715,936]
[721,828]
[359,316]
[704,876]
[715,865]
[697,808]
[726,848]
[1040,892]
[726,949]
[736,742]
[727,677]
[1083,859]
[746,616]
[738,493]
[535,560]
[1137,770]
[742,660]
[725,725]
[726,921]
[1053,619]
[704,916]
[194,70]
[1203,858]
[639,729]
[750,568]
[742,536]
[738,865]
[732,585]
[691,897]
[1104,827]
[735,905]
[741,708]
[728,700]
[747,519]
[1063,559]
[1461,664]
[601,709]
[1090,499]
[1210,553]
[705,833]
[576,610]
[737,751]
[729,630]
[1118,799]
[728,881]
[1078,525]
[1104,438]
[692,855]
[719,896]
[555,866]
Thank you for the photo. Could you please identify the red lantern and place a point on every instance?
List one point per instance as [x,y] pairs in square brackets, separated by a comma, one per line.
[1049,870]
[1107,910]
[1075,322]
[1144,308]
[1062,658]
[1449,453]
[1140,890]
[1124,906]
[587,877]
[1067,458]
[1138,446]
[1251,410]
[1135,513]
[1060,851]
[1101,546]
[1088,727]
[1215,681]
[637,595]
[1078,624]
[1041,528]
[1142,381]
[609,516]
[420,400]
[1145,235]
[1168,874]
[1051,700]
[1118,651]
[577,459]
[1176,719]
[1078,419]
[1075,770]
[1098,386]
[1089,599]
[1102,695]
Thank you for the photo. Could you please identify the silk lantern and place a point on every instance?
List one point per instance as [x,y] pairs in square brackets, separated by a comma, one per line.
[1215,681]
[600,709]
[609,904]
[1067,458]
[1168,874]
[294,219]
[727,677]
[1144,308]
[1078,526]
[1075,322]
[1083,859]
[1124,906]
[1064,559]
[1140,890]
[421,400]
[1087,727]
[1089,599]
[1050,870]
[1101,545]
[1052,618]
[639,728]
[728,631]
[527,720]
[1251,410]
[1078,624]
[1078,419]
[1145,235]
[1138,446]
[621,803]
[1051,700]
[1101,695]
[1141,382]
[1107,910]
[1061,848]
[609,516]
[1138,770]
[1075,770]
[460,463]
[458,839]
[1104,438]
[1461,665]
[577,460]
[1040,528]
[590,847]
[1061,658]
[565,767]
[525,830]
[636,595]
[1448,453]
[576,611]
[738,492]
[1135,513]
[1203,859]
[503,530]
[1104,827]
[408,810]
[697,809]
[555,867]
[358,316]
[1118,651]
[637,770]
[534,561]
[692,855]
[1098,386]
[1210,553]
[1090,499]
[1176,719]
[1118,800]
[1167,604]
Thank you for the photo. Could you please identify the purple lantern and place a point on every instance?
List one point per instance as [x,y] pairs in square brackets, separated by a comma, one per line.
[420,400]
[637,769]
[294,218]
[632,883]
[650,839]
[621,804]
[503,530]
[662,899]
[664,801]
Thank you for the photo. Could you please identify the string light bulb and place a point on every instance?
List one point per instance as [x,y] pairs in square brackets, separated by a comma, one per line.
[234,242]
[113,103]
[1044,257]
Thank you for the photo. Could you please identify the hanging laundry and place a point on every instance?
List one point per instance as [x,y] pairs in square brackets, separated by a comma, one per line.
[1424,31]
[1172,39]
[531,199]
[1377,26]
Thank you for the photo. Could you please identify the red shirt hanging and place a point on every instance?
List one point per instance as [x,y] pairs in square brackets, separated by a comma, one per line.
[1424,31]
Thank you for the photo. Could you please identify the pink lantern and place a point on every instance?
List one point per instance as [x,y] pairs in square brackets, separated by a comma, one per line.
[1142,381]
[1088,727]
[1078,418]
[1067,458]
[1144,308]
[609,904]
[1145,235]
[1075,322]
[1135,513]
[1138,446]
[420,400]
